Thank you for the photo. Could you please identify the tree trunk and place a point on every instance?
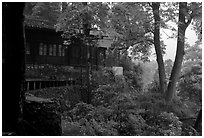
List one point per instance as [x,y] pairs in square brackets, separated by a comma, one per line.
[161,69]
[175,73]
[86,28]
[13,66]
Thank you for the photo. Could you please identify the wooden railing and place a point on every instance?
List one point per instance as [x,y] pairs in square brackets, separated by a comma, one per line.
[33,84]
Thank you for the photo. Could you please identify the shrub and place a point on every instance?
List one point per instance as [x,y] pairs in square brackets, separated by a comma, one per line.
[114,113]
[153,87]
[163,124]
[103,76]
[91,120]
[190,85]
[133,76]
[105,94]
[126,114]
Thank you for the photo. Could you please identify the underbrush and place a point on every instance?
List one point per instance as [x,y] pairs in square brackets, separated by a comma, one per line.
[119,109]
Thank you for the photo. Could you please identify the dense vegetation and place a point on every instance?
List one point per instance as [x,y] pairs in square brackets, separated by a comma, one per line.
[129,105]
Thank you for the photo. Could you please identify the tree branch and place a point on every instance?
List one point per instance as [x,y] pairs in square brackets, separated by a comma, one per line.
[188,22]
[125,48]
[150,4]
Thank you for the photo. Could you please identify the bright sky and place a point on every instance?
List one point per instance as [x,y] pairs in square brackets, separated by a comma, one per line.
[171,44]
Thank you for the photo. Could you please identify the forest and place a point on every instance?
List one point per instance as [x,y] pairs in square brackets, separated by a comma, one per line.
[150,98]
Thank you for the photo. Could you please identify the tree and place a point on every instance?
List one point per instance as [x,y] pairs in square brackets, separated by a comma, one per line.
[130,24]
[197,20]
[42,14]
[186,14]
[193,54]
[71,20]
[190,83]
[161,69]
[13,67]
[28,10]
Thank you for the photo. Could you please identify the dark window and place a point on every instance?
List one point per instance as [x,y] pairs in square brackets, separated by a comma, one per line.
[50,50]
[45,50]
[41,49]
[54,50]
[63,51]
[60,50]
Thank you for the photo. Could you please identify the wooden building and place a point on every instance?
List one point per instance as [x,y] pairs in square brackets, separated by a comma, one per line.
[46,46]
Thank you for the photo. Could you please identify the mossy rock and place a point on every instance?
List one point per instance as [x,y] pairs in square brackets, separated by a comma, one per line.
[42,117]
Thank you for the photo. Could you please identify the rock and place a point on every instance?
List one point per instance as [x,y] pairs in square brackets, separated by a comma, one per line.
[42,117]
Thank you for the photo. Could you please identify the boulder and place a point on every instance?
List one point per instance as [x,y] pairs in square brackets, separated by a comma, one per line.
[42,117]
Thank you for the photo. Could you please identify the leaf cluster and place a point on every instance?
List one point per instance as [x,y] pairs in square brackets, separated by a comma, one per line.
[190,84]
[42,14]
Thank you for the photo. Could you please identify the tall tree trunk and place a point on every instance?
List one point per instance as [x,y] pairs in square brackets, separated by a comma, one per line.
[175,73]
[161,69]
[13,66]
[86,28]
